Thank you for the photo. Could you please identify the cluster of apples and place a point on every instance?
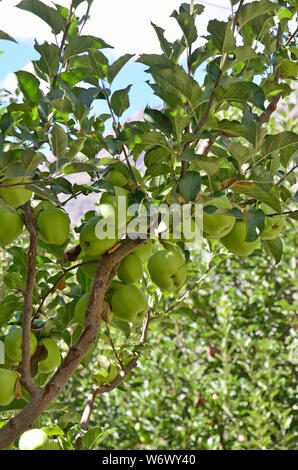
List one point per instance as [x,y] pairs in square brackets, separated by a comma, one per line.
[52,222]
[233,232]
[13,356]
[166,264]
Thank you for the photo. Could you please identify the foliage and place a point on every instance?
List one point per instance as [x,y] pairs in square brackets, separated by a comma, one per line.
[207,141]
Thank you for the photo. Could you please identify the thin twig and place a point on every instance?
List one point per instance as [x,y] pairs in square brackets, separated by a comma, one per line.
[287,174]
[52,289]
[187,293]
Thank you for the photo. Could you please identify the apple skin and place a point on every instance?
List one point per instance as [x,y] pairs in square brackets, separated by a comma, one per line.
[16,195]
[273,225]
[34,439]
[117,178]
[235,240]
[218,225]
[144,251]
[80,309]
[130,270]
[129,303]
[112,199]
[53,225]
[13,344]
[11,226]
[53,445]
[54,356]
[90,244]
[167,269]
[8,380]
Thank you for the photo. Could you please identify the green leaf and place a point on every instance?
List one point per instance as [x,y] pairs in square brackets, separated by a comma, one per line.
[200,55]
[234,127]
[274,248]
[117,66]
[29,85]
[49,61]
[120,100]
[284,13]
[158,169]
[44,193]
[183,84]
[222,36]
[6,36]
[83,44]
[239,152]
[94,436]
[252,191]
[190,185]
[48,14]
[243,92]
[158,120]
[255,9]
[78,167]
[32,159]
[75,147]
[99,63]
[164,44]
[58,141]
[121,325]
[255,224]
[187,24]
[283,141]
[261,178]
[243,54]
[8,306]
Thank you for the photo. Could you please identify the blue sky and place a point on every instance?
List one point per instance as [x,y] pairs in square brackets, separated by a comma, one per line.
[125,25]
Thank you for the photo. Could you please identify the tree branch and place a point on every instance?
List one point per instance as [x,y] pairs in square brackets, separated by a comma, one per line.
[43,397]
[98,391]
[25,379]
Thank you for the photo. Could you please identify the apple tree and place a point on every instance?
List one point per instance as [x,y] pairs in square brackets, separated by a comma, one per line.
[209,146]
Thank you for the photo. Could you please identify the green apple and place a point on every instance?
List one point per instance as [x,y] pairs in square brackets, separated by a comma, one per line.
[34,439]
[167,269]
[8,380]
[273,225]
[130,270]
[218,225]
[13,344]
[121,215]
[16,195]
[117,178]
[235,240]
[90,243]
[80,309]
[90,268]
[129,303]
[11,226]
[53,225]
[145,251]
[54,356]
[53,445]
[108,198]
